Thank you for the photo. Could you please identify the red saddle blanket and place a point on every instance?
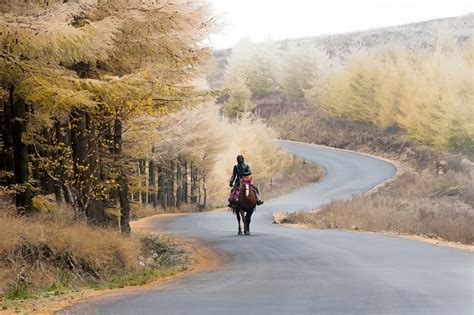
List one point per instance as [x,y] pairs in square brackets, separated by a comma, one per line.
[234,195]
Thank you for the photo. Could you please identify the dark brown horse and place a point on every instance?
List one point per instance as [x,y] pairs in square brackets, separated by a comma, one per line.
[247,203]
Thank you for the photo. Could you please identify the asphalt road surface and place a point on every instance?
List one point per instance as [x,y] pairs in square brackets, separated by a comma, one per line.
[280,270]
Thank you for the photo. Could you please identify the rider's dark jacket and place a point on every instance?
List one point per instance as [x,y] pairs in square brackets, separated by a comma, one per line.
[240,170]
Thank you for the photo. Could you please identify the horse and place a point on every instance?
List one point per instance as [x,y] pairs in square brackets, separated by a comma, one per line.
[246,205]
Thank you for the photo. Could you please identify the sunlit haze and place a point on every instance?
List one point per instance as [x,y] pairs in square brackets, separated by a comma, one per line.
[262,19]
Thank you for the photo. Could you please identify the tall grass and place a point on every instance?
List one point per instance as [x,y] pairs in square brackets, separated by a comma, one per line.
[54,253]
[252,138]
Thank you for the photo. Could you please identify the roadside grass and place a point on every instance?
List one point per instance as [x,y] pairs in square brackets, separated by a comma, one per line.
[434,206]
[144,210]
[299,174]
[136,278]
[49,256]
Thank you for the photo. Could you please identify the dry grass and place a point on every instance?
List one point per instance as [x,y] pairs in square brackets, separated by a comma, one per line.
[140,210]
[255,140]
[299,174]
[50,255]
[432,206]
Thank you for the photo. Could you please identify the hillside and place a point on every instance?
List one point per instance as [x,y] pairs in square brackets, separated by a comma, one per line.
[422,34]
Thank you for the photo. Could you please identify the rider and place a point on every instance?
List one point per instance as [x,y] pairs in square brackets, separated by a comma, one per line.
[241,170]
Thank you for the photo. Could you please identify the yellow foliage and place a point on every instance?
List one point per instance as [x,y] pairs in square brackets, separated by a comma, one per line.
[45,203]
[113,212]
[256,142]
[430,94]
[213,142]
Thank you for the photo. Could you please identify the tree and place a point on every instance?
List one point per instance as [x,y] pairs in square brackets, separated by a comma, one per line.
[256,65]
[87,69]
[239,101]
[299,71]
[428,93]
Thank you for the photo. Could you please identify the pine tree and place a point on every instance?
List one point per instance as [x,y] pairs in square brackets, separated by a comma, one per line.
[85,70]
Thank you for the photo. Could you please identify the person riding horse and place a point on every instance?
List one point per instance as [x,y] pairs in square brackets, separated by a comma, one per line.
[241,170]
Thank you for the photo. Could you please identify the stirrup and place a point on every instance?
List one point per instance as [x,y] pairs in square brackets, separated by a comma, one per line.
[259,202]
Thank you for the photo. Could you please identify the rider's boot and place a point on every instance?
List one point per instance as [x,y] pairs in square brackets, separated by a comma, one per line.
[259,201]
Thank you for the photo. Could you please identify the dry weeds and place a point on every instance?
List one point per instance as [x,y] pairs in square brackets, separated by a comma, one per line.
[140,210]
[50,255]
[299,174]
[439,206]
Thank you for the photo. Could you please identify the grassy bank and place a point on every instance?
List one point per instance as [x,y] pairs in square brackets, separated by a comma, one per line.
[299,174]
[433,206]
[51,256]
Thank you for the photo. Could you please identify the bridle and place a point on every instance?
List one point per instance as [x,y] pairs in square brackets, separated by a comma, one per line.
[247,181]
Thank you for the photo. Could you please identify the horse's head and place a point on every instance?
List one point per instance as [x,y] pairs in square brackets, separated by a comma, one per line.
[247,195]
[245,185]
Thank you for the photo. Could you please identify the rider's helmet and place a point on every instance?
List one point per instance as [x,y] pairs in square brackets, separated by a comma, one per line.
[240,158]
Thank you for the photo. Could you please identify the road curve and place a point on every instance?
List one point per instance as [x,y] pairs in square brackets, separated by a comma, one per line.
[279,270]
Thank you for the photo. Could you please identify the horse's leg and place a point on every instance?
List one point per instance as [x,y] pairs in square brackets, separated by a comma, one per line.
[244,221]
[248,216]
[237,213]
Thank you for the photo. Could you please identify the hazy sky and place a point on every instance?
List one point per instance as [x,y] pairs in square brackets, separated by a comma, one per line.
[278,19]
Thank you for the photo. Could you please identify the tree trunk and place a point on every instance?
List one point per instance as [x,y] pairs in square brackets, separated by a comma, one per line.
[142,165]
[47,182]
[116,150]
[162,186]
[204,188]
[79,144]
[178,183]
[95,210]
[152,180]
[6,155]
[124,205]
[20,152]
[122,180]
[62,138]
[139,190]
[185,182]
[193,183]
[168,184]
[171,199]
[198,181]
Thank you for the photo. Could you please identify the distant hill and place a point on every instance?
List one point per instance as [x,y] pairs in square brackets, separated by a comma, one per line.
[423,34]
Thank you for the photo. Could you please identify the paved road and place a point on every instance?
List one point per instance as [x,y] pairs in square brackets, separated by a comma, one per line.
[279,270]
